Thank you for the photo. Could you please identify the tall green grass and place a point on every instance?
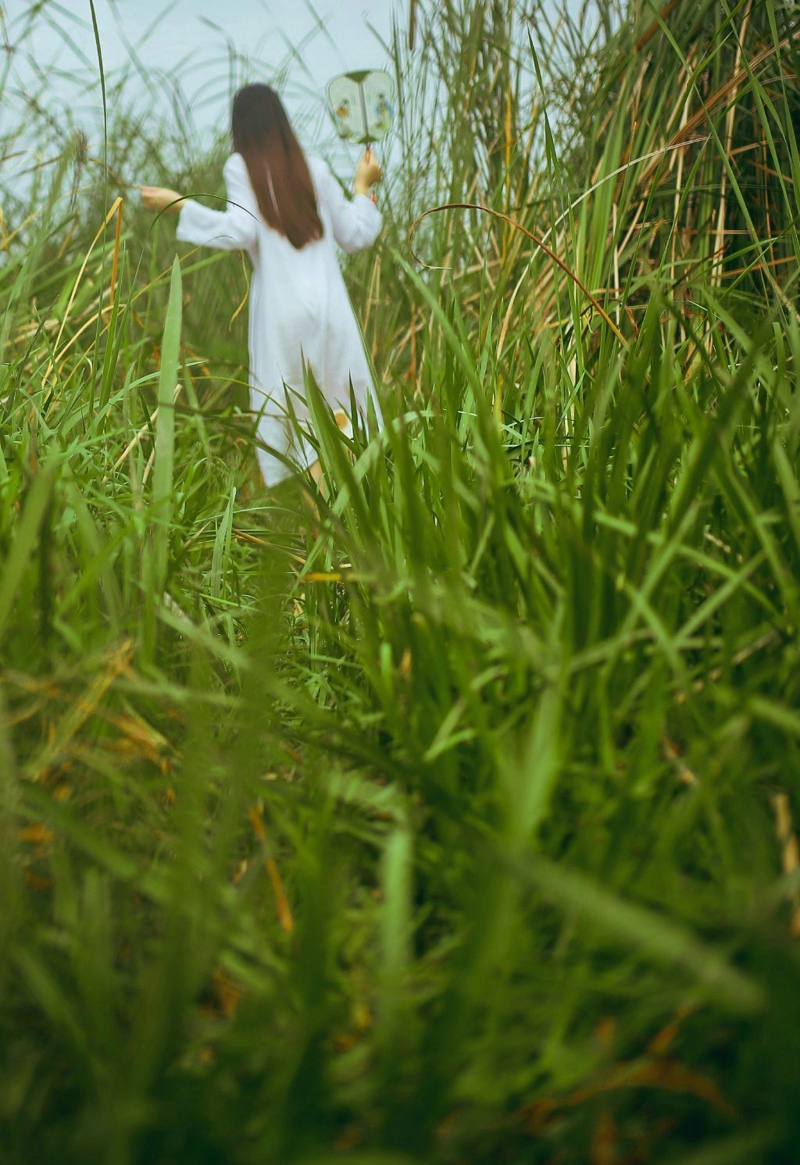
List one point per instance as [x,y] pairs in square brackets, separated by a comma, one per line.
[453,822]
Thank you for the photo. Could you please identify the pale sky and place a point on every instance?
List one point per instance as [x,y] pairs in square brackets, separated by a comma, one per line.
[212,46]
[193,38]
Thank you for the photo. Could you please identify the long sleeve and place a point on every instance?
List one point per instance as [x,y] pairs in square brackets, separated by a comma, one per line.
[356,223]
[232,229]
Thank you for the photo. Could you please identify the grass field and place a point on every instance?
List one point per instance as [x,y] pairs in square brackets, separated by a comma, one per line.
[457,824]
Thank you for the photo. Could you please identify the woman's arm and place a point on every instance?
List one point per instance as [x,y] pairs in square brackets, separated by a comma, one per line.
[356,223]
[234,228]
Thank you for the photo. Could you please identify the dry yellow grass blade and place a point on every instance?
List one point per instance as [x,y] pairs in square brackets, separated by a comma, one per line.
[605,1140]
[137,738]
[84,328]
[5,238]
[790,851]
[656,1073]
[672,753]
[324,576]
[652,154]
[227,993]
[246,295]
[115,260]
[720,232]
[534,239]
[284,910]
[79,713]
[731,86]
[135,440]
[36,834]
[656,25]
[114,210]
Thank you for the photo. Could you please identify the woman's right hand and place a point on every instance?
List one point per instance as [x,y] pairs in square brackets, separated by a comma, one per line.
[158,198]
[368,172]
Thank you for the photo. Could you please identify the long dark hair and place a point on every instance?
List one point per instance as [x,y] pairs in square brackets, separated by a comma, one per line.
[278,170]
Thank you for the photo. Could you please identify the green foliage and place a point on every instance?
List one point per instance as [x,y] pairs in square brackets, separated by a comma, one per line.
[443,820]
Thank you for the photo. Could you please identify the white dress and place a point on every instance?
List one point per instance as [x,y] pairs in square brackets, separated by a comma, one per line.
[299,307]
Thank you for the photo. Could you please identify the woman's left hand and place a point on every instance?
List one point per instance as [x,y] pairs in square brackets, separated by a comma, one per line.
[158,198]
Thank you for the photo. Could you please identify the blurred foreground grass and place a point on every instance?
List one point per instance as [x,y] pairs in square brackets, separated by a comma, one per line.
[458,825]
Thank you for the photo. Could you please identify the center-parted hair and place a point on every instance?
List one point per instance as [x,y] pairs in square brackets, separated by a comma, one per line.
[278,170]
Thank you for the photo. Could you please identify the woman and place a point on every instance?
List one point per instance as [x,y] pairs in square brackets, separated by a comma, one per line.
[286,212]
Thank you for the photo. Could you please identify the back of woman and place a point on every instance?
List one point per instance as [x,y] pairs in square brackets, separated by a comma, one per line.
[286,213]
